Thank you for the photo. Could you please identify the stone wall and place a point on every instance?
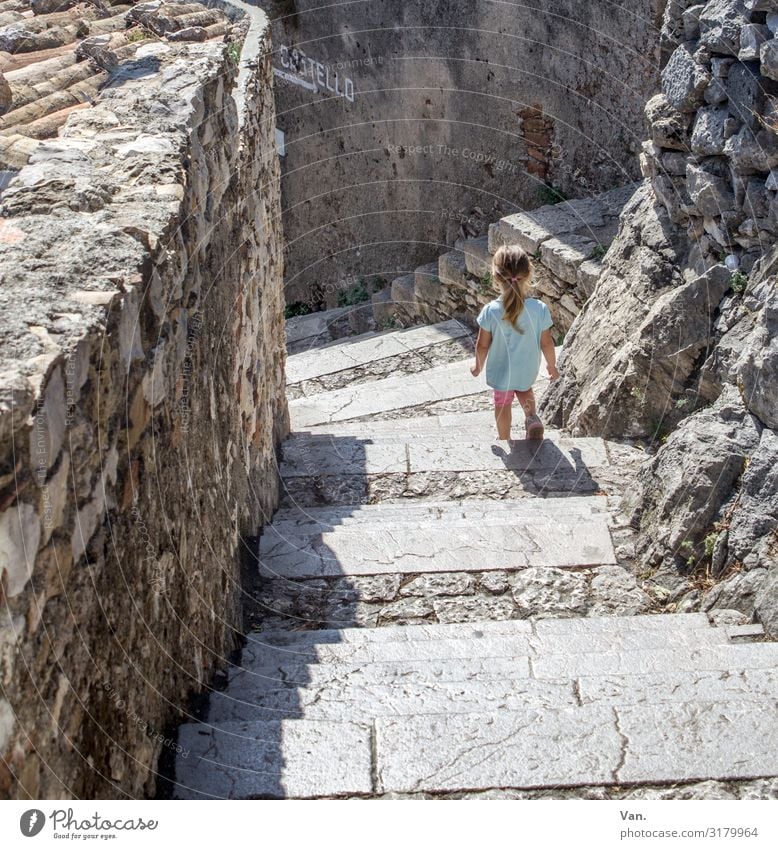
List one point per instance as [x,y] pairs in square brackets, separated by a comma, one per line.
[141,400]
[408,125]
[678,344]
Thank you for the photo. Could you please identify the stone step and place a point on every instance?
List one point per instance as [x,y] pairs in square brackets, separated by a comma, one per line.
[569,746]
[352,701]
[373,356]
[587,745]
[548,539]
[484,659]
[608,653]
[302,673]
[424,425]
[395,454]
[580,631]
[292,759]
[314,329]
[478,260]
[595,218]
[346,702]
[452,380]
[402,395]
[315,520]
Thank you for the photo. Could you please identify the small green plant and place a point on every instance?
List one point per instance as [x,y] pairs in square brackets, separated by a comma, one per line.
[485,284]
[234,49]
[549,195]
[356,294]
[297,308]
[388,323]
[738,282]
[680,403]
[137,34]
[599,251]
[710,543]
[638,394]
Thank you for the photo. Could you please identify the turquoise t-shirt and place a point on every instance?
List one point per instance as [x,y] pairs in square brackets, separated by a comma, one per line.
[514,357]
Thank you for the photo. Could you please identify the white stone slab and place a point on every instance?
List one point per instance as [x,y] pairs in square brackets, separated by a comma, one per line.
[726,657]
[307,457]
[349,456]
[522,455]
[294,759]
[318,519]
[658,687]
[478,421]
[352,353]
[698,741]
[489,644]
[543,541]
[669,622]
[452,380]
[404,633]
[667,626]
[344,702]
[528,748]
[259,674]
[309,326]
[514,647]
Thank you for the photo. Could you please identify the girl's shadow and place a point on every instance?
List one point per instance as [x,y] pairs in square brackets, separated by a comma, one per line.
[546,468]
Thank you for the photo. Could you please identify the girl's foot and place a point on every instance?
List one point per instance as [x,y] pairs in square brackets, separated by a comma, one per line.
[534,427]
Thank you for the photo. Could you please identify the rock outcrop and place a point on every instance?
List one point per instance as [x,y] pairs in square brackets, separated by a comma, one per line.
[678,344]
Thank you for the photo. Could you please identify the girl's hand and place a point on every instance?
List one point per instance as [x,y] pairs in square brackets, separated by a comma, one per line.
[475,370]
[553,372]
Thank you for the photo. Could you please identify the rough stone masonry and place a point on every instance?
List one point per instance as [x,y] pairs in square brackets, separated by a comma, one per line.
[679,341]
[141,397]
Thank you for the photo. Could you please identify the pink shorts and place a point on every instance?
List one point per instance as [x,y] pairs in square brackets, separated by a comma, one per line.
[504,398]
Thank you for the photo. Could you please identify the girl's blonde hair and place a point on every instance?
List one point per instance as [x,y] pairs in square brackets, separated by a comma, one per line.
[512,269]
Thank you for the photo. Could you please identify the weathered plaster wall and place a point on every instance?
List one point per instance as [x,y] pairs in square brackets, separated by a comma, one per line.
[461,112]
[141,400]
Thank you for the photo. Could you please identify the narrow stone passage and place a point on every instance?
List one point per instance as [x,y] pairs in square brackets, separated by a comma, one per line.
[440,613]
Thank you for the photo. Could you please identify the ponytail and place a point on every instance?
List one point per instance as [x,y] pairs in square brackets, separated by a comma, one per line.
[512,269]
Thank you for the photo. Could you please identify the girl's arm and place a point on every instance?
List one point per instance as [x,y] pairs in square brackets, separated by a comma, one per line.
[549,352]
[481,350]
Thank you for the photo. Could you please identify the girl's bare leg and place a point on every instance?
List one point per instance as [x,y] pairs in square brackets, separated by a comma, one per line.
[502,415]
[527,401]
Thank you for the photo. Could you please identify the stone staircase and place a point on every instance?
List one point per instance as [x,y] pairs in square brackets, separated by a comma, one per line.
[440,614]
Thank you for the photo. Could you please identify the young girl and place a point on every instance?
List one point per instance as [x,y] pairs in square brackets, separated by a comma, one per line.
[514,329]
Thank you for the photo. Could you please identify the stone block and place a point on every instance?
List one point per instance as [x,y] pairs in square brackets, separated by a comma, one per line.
[588,274]
[750,151]
[711,195]
[752,37]
[530,748]
[48,427]
[669,126]
[460,548]
[292,759]
[564,256]
[721,22]
[20,534]
[427,284]
[403,291]
[384,308]
[684,80]
[708,135]
[478,260]
[769,59]
[746,93]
